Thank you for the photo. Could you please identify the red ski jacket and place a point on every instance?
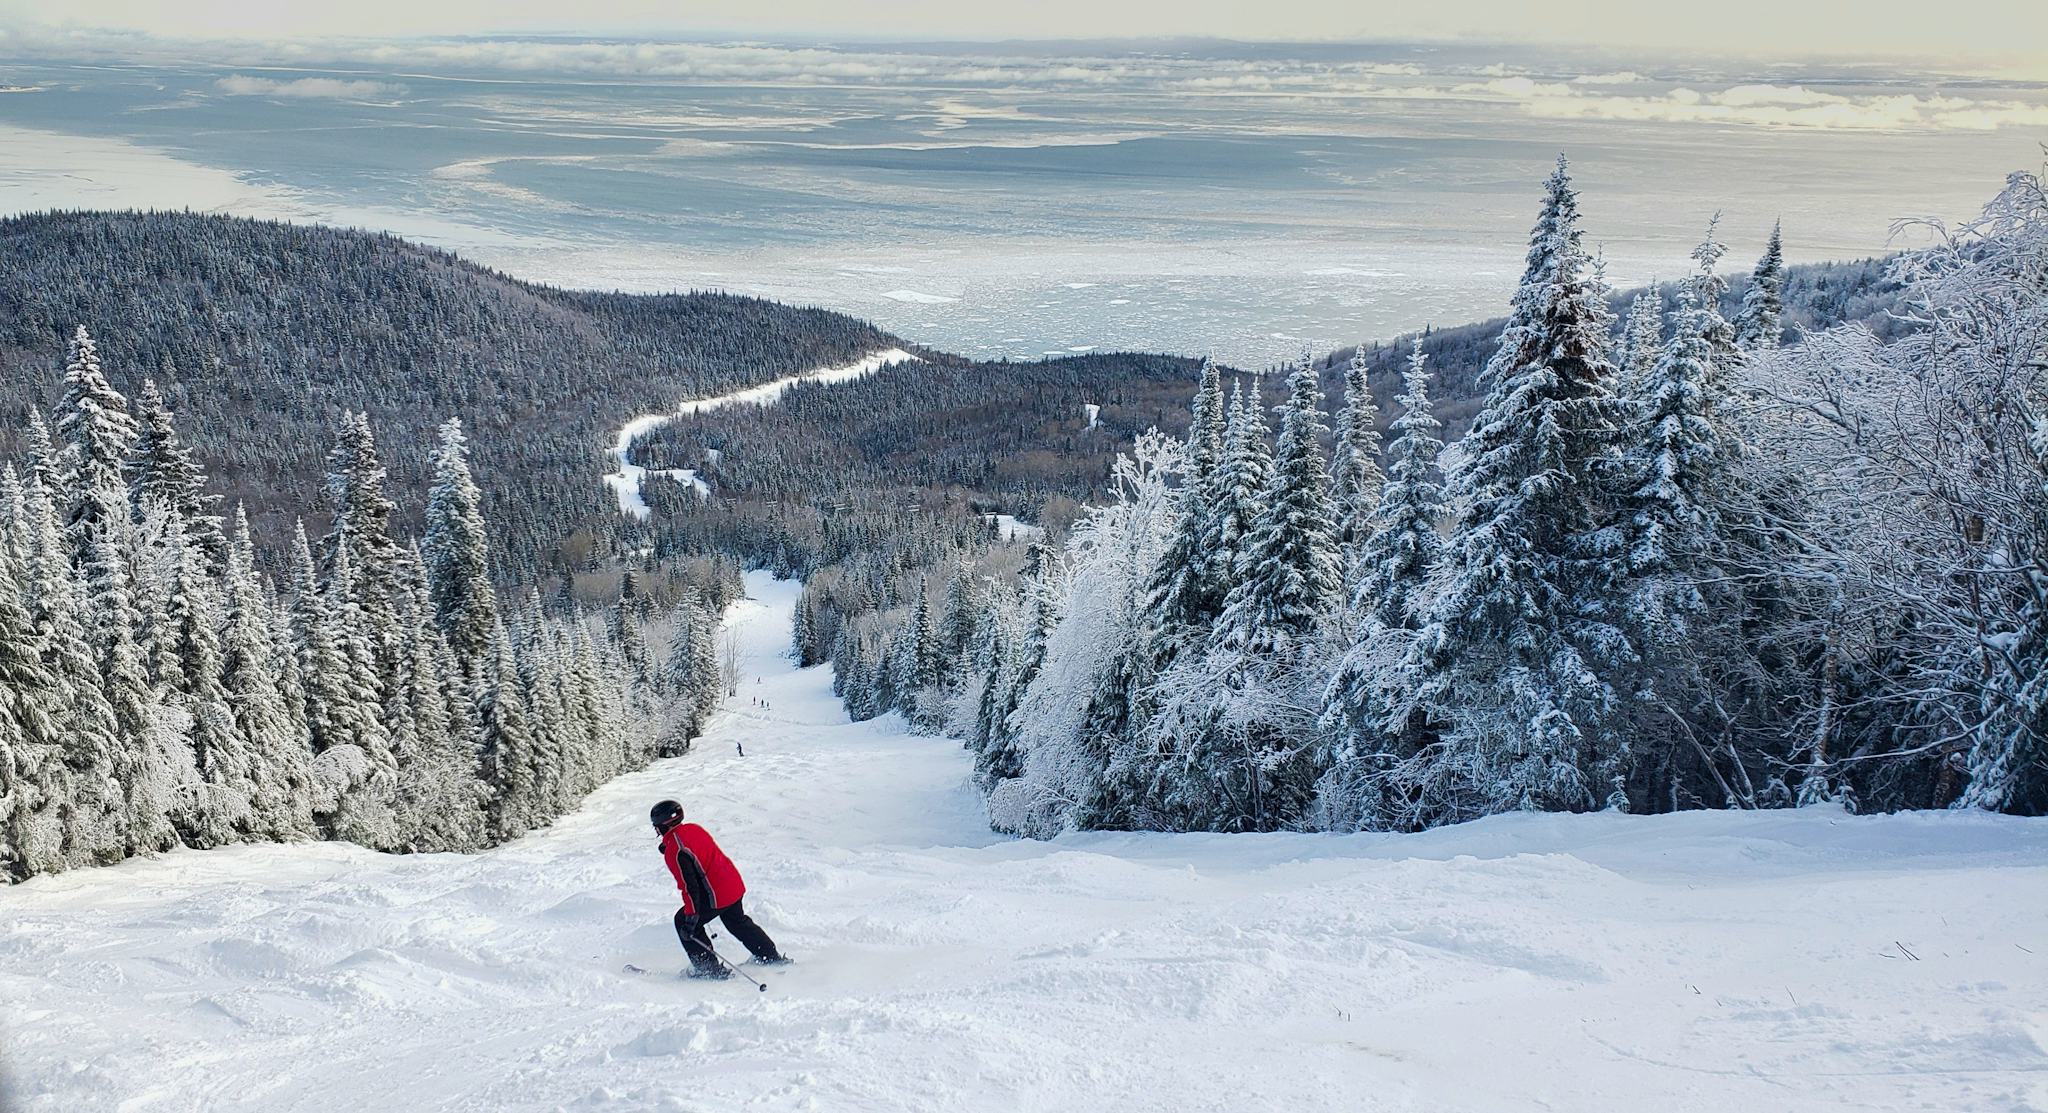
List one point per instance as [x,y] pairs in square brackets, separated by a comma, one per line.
[687,844]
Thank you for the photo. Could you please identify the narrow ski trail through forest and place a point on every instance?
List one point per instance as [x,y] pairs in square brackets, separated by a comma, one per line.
[1713,960]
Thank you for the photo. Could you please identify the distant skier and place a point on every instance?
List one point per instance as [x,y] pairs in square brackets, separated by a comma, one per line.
[740,746]
[711,889]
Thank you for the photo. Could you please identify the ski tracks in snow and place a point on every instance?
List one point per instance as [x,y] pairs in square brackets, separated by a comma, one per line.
[1709,961]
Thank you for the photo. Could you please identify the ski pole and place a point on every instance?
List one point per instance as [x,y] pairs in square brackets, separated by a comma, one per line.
[742,973]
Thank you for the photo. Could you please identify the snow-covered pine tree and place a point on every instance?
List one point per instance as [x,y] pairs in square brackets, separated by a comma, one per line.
[216,807]
[166,472]
[1044,596]
[1387,604]
[1760,323]
[362,523]
[1518,656]
[1267,648]
[1642,340]
[33,782]
[512,765]
[1185,593]
[457,555]
[1355,476]
[281,802]
[1289,572]
[98,433]
[356,765]
[628,636]
[93,810]
[1404,545]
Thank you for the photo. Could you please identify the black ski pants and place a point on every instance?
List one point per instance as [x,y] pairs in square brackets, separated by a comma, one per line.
[691,931]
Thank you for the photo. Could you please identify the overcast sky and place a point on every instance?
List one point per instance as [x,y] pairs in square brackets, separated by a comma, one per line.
[1991,31]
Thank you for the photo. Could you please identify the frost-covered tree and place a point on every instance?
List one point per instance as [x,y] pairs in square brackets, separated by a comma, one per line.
[362,524]
[1186,592]
[1518,657]
[216,807]
[1387,604]
[513,766]
[168,474]
[1355,476]
[1246,707]
[1079,762]
[457,556]
[280,754]
[98,433]
[1761,322]
[1642,338]
[34,787]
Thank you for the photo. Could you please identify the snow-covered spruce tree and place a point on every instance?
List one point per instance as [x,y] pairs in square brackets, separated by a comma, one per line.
[215,808]
[457,556]
[1180,708]
[93,809]
[1081,766]
[625,629]
[1043,598]
[959,620]
[281,804]
[1186,594]
[356,766]
[1682,463]
[513,765]
[1387,604]
[362,524]
[539,670]
[1249,709]
[1761,322]
[149,763]
[33,781]
[1518,658]
[166,472]
[1642,340]
[1355,476]
[97,433]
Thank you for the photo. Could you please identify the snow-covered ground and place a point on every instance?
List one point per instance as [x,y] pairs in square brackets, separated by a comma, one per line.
[1711,961]
[626,481]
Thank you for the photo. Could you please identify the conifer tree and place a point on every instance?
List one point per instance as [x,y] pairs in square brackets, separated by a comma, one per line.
[1186,594]
[93,421]
[94,810]
[1518,657]
[281,802]
[1387,605]
[1289,572]
[362,524]
[457,554]
[1355,476]
[1642,339]
[166,472]
[33,785]
[1761,322]
[217,811]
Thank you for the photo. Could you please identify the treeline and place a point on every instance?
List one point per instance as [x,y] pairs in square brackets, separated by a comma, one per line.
[263,334]
[156,690]
[1673,564]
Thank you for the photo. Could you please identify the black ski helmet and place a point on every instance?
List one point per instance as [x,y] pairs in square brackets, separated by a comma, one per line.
[665,815]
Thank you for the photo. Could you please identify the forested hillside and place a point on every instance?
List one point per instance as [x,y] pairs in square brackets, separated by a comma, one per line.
[1671,561]
[260,335]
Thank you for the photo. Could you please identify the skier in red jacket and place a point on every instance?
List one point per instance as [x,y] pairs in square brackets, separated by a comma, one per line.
[711,889]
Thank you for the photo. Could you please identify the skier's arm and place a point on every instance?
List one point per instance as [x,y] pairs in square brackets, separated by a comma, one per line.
[696,886]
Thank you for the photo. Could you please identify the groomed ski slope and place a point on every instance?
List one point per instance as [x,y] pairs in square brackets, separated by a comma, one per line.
[626,481]
[1709,961]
